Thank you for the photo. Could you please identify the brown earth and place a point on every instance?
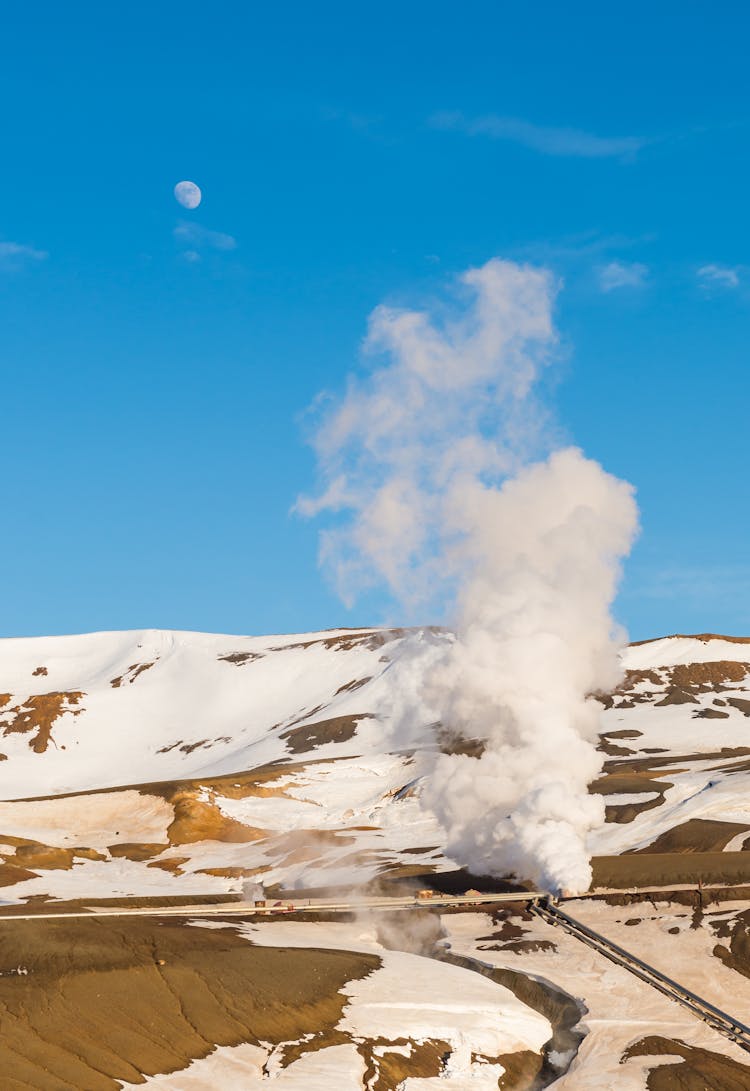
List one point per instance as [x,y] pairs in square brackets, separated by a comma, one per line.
[301,740]
[10,874]
[629,783]
[680,684]
[372,639]
[130,675]
[658,767]
[173,864]
[240,658]
[612,750]
[522,1070]
[137,851]
[389,1070]
[199,819]
[50,858]
[696,835]
[697,1070]
[737,955]
[123,902]
[349,687]
[677,695]
[150,996]
[38,713]
[709,674]
[650,870]
[509,936]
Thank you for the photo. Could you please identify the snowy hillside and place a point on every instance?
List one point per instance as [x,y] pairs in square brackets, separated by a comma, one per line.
[165,763]
[677,739]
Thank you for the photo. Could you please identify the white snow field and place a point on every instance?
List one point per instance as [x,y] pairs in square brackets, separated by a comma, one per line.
[182,763]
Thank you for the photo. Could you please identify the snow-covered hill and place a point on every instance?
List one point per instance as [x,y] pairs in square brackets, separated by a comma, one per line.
[165,763]
[677,739]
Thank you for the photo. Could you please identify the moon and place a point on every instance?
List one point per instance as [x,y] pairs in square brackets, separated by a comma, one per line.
[188,194]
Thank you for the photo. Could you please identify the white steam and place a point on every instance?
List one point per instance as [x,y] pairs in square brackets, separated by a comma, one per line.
[430,458]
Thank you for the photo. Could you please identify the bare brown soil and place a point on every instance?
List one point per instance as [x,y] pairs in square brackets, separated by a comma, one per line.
[199,819]
[658,767]
[709,674]
[137,851]
[10,874]
[696,835]
[188,748]
[650,870]
[630,783]
[371,639]
[48,858]
[301,740]
[240,658]
[389,1070]
[680,684]
[612,750]
[737,955]
[509,936]
[677,695]
[133,672]
[38,713]
[104,1002]
[355,684]
[173,864]
[697,1069]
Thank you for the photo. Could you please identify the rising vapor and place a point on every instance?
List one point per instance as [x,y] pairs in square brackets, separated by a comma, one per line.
[435,465]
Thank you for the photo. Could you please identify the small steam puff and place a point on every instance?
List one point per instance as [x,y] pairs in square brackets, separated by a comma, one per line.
[431,457]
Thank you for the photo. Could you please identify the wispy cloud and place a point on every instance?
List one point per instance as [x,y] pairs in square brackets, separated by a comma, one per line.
[196,238]
[718,276]
[706,585]
[15,255]
[547,139]
[621,274]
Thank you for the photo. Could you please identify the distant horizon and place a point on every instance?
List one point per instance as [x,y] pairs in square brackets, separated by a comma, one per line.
[739,638]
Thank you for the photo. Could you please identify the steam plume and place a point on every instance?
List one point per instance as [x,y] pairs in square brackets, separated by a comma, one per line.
[432,461]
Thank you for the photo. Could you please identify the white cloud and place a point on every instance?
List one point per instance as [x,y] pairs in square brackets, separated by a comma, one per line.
[718,276]
[195,236]
[621,274]
[547,139]
[14,255]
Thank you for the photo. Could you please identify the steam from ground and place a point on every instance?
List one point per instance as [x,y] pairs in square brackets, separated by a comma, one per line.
[430,461]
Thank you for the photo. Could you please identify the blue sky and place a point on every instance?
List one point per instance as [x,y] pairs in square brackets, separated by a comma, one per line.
[157,363]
